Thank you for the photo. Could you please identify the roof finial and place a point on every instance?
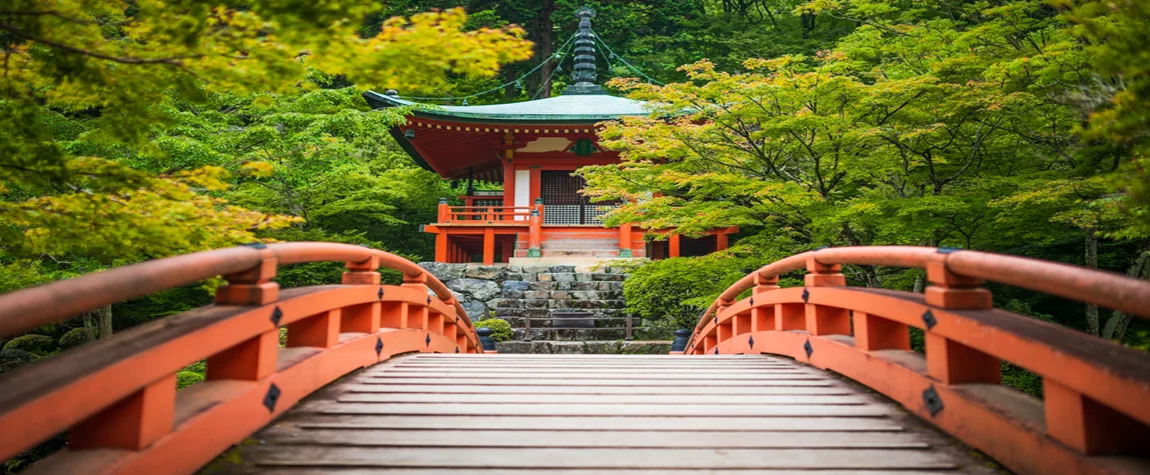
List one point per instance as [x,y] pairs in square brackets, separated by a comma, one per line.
[584,74]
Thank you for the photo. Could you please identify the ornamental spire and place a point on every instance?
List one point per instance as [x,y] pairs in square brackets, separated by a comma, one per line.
[584,75]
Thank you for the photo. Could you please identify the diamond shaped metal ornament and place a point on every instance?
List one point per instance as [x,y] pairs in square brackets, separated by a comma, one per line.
[429,300]
[380,293]
[932,400]
[806,295]
[378,346]
[808,348]
[271,397]
[716,350]
[751,341]
[929,320]
[752,301]
[277,315]
[428,340]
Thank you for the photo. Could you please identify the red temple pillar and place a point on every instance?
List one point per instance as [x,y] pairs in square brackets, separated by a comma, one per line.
[720,241]
[625,240]
[488,245]
[674,246]
[508,182]
[441,246]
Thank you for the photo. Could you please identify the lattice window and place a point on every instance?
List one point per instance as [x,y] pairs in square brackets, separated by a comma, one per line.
[562,202]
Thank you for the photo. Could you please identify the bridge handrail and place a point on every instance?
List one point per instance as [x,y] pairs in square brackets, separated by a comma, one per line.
[31,308]
[1094,390]
[1063,280]
[118,395]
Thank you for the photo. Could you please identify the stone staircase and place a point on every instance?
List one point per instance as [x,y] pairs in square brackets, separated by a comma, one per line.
[539,292]
[516,293]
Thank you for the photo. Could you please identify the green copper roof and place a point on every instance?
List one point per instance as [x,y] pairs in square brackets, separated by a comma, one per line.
[567,108]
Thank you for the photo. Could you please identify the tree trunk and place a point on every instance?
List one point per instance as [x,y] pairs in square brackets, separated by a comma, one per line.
[89,328]
[1118,321]
[105,315]
[544,38]
[1092,262]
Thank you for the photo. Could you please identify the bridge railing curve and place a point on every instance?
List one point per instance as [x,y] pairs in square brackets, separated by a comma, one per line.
[117,397]
[1095,410]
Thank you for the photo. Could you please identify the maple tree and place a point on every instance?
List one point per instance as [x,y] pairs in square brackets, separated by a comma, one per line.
[91,90]
[939,124]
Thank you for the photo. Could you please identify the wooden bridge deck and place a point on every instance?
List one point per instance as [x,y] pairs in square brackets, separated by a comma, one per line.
[481,414]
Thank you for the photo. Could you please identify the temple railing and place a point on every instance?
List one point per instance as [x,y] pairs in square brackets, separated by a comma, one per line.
[1094,416]
[117,397]
[484,215]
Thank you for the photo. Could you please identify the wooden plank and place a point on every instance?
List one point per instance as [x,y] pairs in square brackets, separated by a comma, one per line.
[810,410]
[732,391]
[674,458]
[741,376]
[558,471]
[661,366]
[593,382]
[705,423]
[590,439]
[708,399]
[673,372]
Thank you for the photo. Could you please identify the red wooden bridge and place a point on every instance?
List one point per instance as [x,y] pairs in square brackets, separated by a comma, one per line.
[819,377]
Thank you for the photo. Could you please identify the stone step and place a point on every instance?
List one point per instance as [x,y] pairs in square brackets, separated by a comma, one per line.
[584,347]
[603,319]
[580,253]
[570,335]
[553,304]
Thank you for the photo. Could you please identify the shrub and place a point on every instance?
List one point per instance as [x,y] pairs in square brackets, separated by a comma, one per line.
[35,344]
[187,378]
[75,337]
[500,328]
[672,293]
[11,359]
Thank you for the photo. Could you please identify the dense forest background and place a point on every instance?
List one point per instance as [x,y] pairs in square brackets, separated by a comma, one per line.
[1008,126]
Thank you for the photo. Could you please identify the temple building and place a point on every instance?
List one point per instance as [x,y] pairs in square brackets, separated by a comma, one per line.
[532,148]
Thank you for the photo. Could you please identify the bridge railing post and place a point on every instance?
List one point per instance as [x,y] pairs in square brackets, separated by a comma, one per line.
[253,286]
[255,358]
[947,360]
[415,316]
[763,318]
[132,423]
[822,319]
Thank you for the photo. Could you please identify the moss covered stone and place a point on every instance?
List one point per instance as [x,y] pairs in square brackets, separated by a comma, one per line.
[11,359]
[75,337]
[36,344]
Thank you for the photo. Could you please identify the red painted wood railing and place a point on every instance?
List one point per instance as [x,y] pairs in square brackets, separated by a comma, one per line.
[117,397]
[502,215]
[1095,411]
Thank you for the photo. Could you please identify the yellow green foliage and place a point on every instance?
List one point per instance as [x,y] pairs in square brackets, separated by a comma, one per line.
[501,330]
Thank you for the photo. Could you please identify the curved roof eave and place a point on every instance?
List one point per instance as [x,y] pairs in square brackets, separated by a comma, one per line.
[581,109]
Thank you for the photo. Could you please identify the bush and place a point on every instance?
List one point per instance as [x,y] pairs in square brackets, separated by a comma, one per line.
[11,359]
[75,337]
[187,378]
[500,328]
[672,293]
[35,344]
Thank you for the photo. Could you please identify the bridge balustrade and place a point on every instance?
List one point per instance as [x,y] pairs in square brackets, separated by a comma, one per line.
[117,397]
[1095,408]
